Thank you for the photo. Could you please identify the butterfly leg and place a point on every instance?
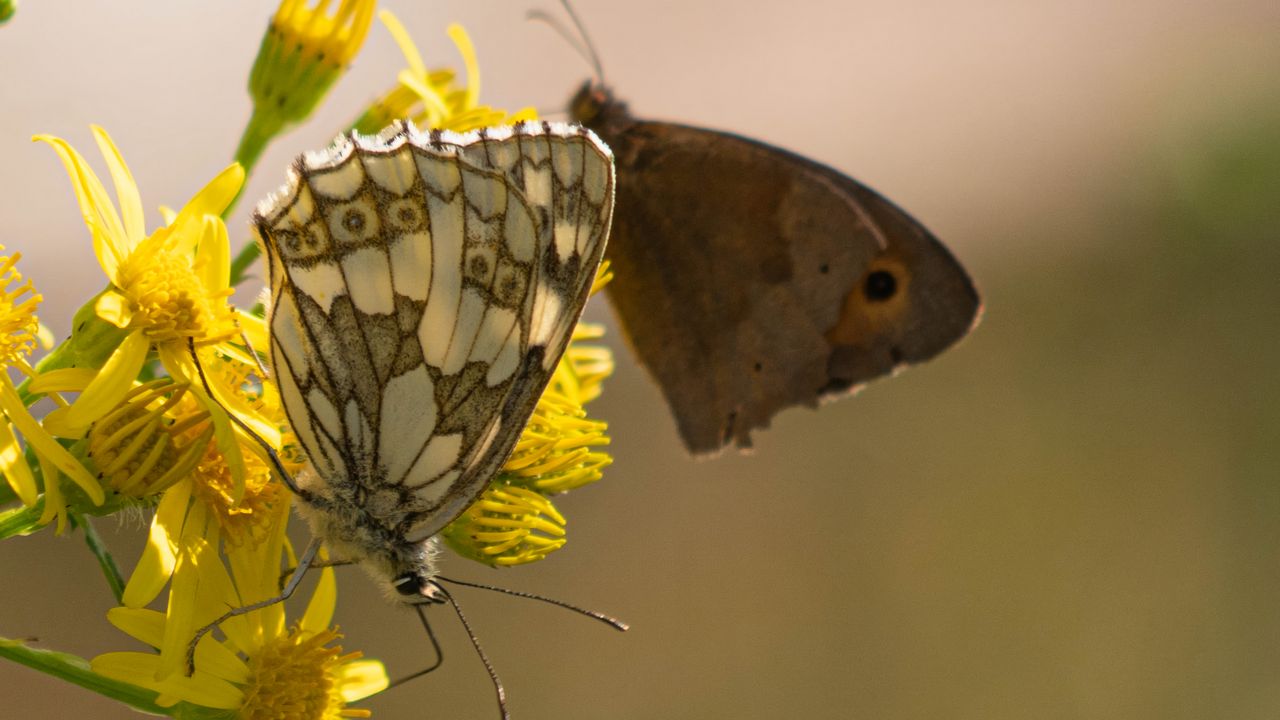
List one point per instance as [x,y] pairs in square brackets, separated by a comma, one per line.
[435,645]
[317,564]
[303,564]
[272,456]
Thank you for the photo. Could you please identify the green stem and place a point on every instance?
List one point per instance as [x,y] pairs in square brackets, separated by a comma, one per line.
[99,549]
[75,670]
[257,134]
[253,142]
[20,521]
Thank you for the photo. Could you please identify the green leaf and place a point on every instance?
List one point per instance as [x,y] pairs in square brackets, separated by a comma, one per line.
[75,670]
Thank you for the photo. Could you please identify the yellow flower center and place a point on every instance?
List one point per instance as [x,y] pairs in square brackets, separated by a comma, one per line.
[150,441]
[214,485]
[18,326]
[169,300]
[295,676]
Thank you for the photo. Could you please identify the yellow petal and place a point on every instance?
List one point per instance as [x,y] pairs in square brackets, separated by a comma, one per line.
[54,504]
[113,381]
[110,243]
[257,574]
[185,599]
[468,51]
[361,21]
[244,632]
[148,626]
[362,678]
[177,360]
[126,189]
[15,467]
[213,255]
[114,308]
[138,623]
[430,98]
[410,51]
[158,558]
[140,669]
[44,443]
[320,609]
[45,336]
[62,380]
[212,199]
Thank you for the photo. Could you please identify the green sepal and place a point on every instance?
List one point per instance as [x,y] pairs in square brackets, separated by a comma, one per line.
[92,342]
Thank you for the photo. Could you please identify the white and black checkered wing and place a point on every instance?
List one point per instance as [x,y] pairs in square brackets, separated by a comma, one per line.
[423,288]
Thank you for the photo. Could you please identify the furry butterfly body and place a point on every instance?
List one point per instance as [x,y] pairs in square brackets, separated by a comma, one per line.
[751,279]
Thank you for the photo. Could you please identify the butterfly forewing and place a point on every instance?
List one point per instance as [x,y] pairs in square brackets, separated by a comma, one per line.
[421,295]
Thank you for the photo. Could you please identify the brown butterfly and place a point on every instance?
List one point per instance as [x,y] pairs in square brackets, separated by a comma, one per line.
[750,279]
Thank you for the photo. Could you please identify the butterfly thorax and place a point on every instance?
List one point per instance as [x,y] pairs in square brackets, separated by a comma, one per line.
[357,532]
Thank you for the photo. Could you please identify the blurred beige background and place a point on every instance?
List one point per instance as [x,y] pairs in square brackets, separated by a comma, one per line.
[1074,514]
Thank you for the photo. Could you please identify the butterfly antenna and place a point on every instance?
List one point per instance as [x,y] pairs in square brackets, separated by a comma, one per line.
[612,622]
[580,42]
[543,16]
[435,645]
[475,643]
[586,40]
[271,452]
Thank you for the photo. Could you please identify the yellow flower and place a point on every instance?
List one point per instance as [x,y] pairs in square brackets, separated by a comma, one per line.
[202,512]
[19,330]
[554,453]
[18,324]
[508,525]
[168,293]
[266,667]
[304,51]
[429,97]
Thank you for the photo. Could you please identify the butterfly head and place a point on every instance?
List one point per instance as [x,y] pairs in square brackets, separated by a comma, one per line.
[594,106]
[413,588]
[406,576]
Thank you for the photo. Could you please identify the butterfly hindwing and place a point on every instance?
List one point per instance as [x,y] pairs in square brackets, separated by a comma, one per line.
[419,304]
[751,279]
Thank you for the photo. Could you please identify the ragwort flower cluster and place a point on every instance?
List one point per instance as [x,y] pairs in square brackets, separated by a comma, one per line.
[158,400]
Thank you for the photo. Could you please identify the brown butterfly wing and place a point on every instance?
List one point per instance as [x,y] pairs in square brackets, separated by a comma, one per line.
[750,279]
